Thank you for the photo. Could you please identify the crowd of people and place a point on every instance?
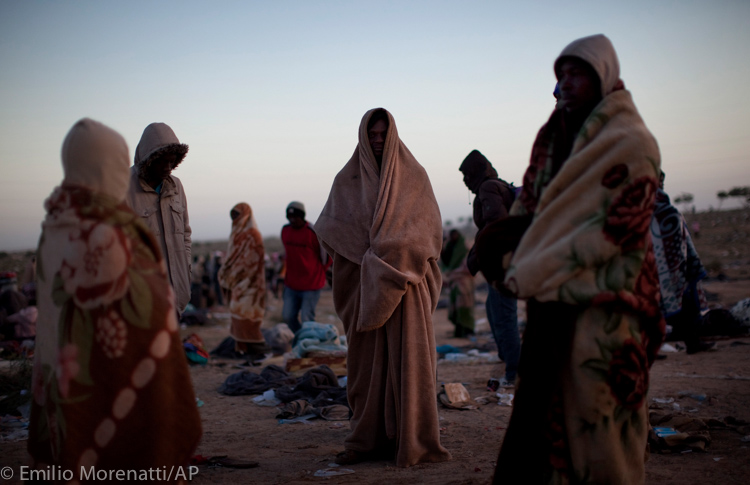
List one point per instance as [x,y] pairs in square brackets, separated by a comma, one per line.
[589,240]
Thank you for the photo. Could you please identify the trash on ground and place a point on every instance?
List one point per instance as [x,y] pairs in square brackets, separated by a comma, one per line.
[505,399]
[333,472]
[455,396]
[668,348]
[268,398]
[300,419]
[698,396]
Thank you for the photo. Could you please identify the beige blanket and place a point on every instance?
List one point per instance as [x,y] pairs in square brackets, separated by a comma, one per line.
[589,247]
[590,230]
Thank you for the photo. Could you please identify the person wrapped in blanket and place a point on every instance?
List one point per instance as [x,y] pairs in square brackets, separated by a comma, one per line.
[243,276]
[577,247]
[460,282]
[382,227]
[111,388]
[680,273]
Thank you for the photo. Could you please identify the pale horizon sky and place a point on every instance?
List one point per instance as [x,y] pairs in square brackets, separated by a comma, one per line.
[269,95]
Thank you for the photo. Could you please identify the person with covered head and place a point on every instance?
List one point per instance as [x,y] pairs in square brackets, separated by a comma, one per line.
[494,197]
[460,283]
[680,274]
[577,246]
[243,276]
[158,196]
[382,226]
[111,389]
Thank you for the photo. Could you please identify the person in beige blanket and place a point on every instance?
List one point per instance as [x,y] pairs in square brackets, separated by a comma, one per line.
[382,227]
[583,259]
[111,387]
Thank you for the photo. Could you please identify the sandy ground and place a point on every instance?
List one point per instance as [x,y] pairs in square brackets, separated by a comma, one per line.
[292,453]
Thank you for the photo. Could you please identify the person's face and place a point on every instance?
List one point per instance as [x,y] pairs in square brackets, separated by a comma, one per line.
[160,168]
[377,135]
[296,221]
[466,179]
[579,84]
[234,214]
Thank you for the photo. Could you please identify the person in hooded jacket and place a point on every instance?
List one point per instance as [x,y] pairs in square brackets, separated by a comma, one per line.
[494,197]
[577,246]
[158,196]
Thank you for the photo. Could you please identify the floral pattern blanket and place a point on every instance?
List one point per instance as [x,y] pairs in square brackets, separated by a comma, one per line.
[589,247]
[676,258]
[243,275]
[111,387]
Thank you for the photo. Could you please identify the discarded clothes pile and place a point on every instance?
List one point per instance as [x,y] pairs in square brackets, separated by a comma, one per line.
[17,317]
[227,349]
[317,337]
[741,312]
[316,393]
[721,322]
[278,338]
[195,351]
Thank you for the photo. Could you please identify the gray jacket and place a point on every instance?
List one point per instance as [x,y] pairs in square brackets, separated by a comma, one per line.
[165,213]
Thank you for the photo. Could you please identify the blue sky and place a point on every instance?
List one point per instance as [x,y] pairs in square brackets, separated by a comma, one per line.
[269,95]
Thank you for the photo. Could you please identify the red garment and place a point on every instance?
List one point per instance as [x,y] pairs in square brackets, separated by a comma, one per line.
[305,270]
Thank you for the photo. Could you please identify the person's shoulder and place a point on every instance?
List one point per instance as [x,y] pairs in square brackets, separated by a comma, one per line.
[176,181]
[492,186]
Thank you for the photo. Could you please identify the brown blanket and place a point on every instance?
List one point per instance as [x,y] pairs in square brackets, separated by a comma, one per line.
[383,230]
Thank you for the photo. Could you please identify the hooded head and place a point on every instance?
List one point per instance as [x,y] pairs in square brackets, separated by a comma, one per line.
[244,216]
[96,157]
[158,139]
[597,51]
[476,169]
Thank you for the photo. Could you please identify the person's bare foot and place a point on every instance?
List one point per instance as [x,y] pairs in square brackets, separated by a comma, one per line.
[349,457]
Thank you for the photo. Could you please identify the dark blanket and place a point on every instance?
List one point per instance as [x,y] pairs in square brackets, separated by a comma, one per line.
[319,386]
[247,383]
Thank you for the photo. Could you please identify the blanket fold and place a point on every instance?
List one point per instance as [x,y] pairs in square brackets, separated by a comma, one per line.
[578,248]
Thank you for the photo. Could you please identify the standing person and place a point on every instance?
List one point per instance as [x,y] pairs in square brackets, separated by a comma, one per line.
[680,273]
[243,277]
[159,198]
[585,264]
[111,387]
[382,226]
[306,264]
[460,282]
[494,197]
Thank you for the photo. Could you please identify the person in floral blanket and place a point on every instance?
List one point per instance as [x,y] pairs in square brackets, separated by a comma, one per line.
[243,276]
[111,387]
[577,246]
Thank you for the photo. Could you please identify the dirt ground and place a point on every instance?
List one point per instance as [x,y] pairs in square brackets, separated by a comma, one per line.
[294,452]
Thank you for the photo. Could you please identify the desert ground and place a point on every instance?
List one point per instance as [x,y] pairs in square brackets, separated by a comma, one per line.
[710,390]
